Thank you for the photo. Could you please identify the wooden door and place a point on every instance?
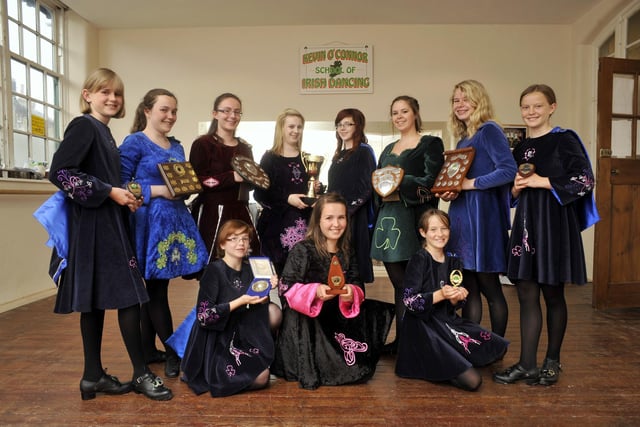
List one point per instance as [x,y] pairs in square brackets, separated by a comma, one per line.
[616,267]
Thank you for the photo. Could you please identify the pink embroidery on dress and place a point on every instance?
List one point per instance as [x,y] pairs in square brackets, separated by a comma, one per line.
[463,339]
[294,234]
[236,352]
[211,182]
[231,371]
[350,347]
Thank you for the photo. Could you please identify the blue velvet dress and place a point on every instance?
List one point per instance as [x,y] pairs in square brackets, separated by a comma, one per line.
[167,240]
[438,344]
[480,218]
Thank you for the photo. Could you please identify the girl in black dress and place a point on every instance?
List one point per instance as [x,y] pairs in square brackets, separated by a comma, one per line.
[102,270]
[438,344]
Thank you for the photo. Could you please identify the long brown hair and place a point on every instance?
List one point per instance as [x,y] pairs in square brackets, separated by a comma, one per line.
[415,107]
[147,103]
[358,135]
[213,127]
[315,234]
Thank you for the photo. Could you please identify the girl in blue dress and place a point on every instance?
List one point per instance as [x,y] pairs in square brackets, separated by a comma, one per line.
[480,213]
[167,241]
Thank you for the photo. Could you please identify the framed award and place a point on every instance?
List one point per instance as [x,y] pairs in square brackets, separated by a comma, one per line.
[250,171]
[262,269]
[454,169]
[180,178]
[386,180]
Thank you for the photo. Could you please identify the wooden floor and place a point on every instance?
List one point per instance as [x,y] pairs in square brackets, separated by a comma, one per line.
[41,365]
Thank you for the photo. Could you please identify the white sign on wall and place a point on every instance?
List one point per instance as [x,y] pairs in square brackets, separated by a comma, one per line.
[336,69]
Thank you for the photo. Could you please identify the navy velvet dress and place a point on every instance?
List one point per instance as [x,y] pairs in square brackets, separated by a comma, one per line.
[438,344]
[102,271]
[226,350]
[308,348]
[350,176]
[546,245]
[167,240]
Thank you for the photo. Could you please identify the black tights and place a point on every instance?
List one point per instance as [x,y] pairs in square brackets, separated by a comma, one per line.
[489,285]
[155,316]
[531,320]
[91,328]
[395,271]
[469,380]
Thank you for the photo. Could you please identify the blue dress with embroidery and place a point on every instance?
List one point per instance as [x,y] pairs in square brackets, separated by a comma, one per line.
[167,240]
[439,344]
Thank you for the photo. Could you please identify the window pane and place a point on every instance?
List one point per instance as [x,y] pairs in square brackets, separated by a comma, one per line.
[29,13]
[20,114]
[607,48]
[12,8]
[46,22]
[14,37]
[30,46]
[53,90]
[621,138]
[20,150]
[46,54]
[623,93]
[52,146]
[36,84]
[38,150]
[53,123]
[633,28]
[633,52]
[18,77]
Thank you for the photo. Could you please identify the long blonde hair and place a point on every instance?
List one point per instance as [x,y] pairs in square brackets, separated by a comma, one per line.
[278,135]
[479,98]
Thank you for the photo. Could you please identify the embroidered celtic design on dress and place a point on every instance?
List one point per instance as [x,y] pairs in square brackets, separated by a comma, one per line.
[518,250]
[392,237]
[294,234]
[529,154]
[236,352]
[180,239]
[350,348]
[463,339]
[414,302]
[296,172]
[582,183]
[207,315]
[75,186]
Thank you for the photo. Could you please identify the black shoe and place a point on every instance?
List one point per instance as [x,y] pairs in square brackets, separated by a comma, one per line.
[516,373]
[156,356]
[391,348]
[172,366]
[107,384]
[152,387]
[549,373]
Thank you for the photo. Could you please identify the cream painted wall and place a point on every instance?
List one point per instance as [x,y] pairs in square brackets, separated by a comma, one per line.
[260,65]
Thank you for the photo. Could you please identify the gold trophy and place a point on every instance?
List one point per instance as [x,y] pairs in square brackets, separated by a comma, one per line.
[312,163]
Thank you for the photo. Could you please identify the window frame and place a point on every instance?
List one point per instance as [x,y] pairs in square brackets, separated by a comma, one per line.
[38,100]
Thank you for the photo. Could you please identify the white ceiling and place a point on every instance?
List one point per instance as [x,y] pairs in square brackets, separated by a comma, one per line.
[112,14]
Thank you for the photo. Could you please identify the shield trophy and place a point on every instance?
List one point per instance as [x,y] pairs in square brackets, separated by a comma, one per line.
[386,181]
[312,163]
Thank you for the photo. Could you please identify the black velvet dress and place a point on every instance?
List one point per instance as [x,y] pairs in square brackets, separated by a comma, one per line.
[350,176]
[102,271]
[329,349]
[437,344]
[226,349]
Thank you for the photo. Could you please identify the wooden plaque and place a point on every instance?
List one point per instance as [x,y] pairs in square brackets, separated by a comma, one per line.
[336,279]
[250,171]
[180,178]
[456,165]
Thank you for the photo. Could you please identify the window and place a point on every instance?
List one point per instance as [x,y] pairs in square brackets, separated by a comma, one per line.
[625,40]
[32,83]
